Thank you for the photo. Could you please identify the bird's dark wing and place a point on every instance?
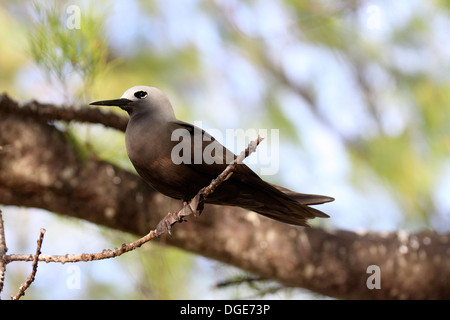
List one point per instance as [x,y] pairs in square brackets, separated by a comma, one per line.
[245,188]
[217,157]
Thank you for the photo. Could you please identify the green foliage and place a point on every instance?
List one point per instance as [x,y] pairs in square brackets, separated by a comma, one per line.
[323,22]
[433,101]
[65,42]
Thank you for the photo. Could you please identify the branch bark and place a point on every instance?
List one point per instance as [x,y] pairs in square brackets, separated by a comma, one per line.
[40,168]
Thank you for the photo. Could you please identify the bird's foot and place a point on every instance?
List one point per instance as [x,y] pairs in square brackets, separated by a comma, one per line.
[187,205]
[168,227]
[194,206]
[165,225]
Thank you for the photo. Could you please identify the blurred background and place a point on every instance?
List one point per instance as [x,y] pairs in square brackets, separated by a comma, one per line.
[359,91]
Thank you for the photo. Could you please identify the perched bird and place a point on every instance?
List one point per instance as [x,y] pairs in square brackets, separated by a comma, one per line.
[178,159]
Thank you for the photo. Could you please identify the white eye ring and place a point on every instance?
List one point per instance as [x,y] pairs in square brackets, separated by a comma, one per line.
[140,94]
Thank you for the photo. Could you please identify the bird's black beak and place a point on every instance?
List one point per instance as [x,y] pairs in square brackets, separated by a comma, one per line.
[116,102]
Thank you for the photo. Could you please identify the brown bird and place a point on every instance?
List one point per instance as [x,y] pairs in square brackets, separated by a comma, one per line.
[178,159]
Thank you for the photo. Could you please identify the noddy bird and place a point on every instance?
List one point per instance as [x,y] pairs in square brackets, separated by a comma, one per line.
[150,144]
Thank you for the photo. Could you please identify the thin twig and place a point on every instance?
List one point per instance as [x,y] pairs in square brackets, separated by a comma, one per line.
[3,250]
[193,206]
[24,286]
[105,254]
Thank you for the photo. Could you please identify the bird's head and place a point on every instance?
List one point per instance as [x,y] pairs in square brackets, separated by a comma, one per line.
[141,99]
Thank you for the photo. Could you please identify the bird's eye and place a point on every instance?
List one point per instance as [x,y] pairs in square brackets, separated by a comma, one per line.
[140,94]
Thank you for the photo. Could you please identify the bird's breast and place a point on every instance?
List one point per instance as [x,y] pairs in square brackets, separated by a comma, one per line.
[148,150]
[151,157]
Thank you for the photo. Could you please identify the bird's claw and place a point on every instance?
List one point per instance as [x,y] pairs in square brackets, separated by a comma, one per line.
[165,225]
[168,227]
[187,204]
[195,207]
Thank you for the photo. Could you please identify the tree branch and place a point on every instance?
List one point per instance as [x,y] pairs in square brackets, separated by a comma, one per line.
[195,205]
[49,112]
[24,286]
[40,168]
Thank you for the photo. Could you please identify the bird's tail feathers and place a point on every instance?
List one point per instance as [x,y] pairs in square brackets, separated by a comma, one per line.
[296,212]
[303,198]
